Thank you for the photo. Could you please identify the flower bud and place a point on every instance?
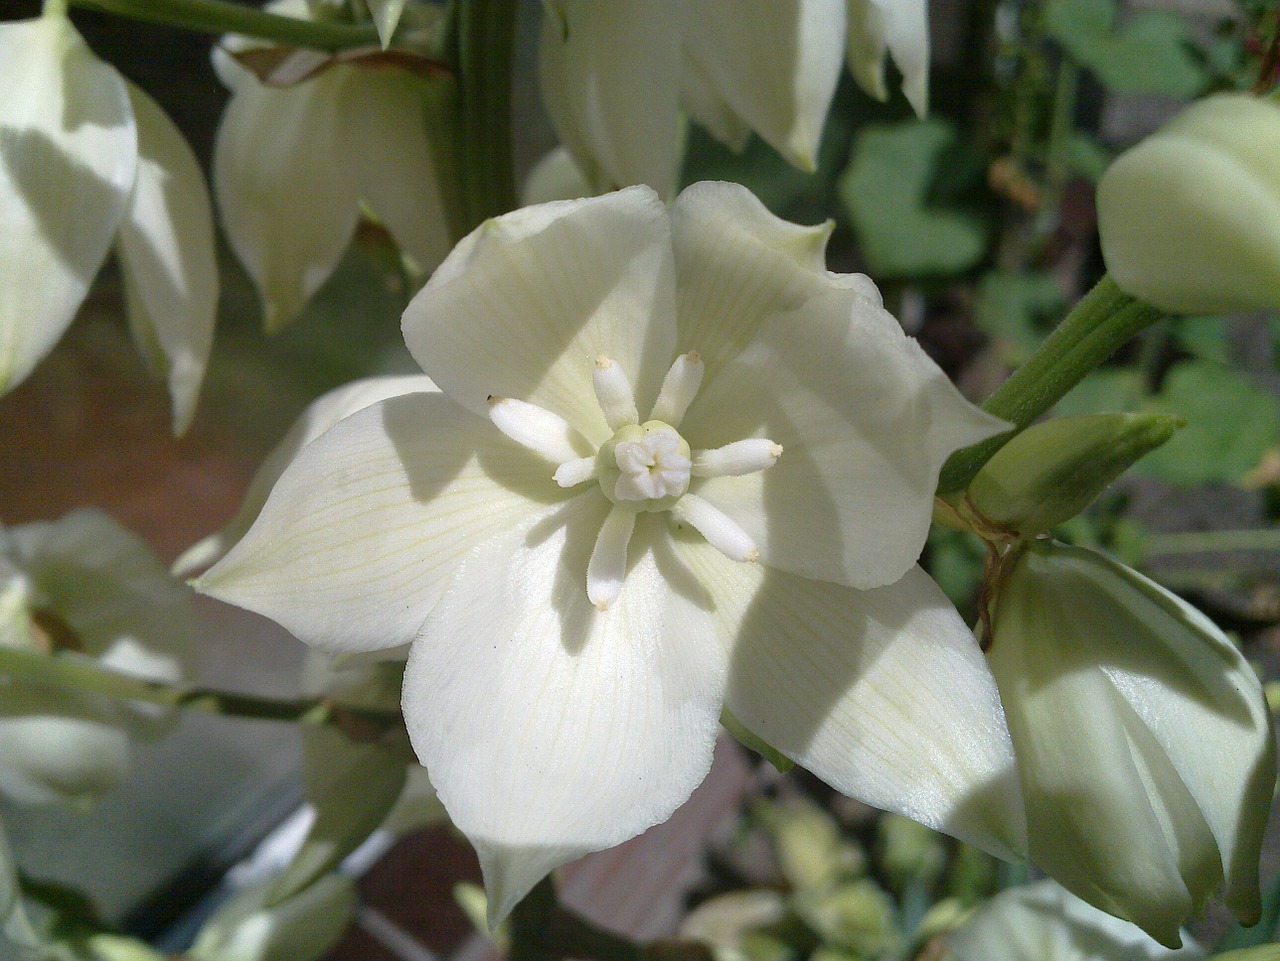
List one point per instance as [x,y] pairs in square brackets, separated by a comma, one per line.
[1143,740]
[302,928]
[858,916]
[725,923]
[1190,217]
[811,851]
[1052,471]
[1042,922]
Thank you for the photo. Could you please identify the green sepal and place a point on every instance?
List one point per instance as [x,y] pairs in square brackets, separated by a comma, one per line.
[1054,470]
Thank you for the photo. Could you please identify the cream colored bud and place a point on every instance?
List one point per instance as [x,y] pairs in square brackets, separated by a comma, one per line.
[1142,736]
[1190,217]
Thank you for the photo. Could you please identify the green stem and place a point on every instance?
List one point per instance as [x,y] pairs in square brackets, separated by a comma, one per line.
[1098,326]
[1211,542]
[223,16]
[531,923]
[54,8]
[485,43]
[76,672]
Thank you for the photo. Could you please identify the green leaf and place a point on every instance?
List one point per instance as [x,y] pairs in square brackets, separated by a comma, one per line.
[1203,337]
[1231,422]
[1011,305]
[1085,157]
[888,189]
[1150,53]
[1101,392]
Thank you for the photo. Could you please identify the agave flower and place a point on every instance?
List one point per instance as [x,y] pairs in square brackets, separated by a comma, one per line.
[616,76]
[293,165]
[674,467]
[87,160]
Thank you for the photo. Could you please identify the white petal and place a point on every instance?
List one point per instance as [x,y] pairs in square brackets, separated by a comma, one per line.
[775,62]
[551,729]
[288,209]
[900,27]
[320,415]
[610,76]
[167,255]
[68,152]
[526,303]
[736,263]
[866,420]
[883,694]
[364,529]
[554,177]
[707,105]
[386,17]
[383,140]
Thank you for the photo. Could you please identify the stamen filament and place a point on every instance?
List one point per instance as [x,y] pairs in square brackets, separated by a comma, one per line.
[537,429]
[614,392]
[679,388]
[721,532]
[748,456]
[577,471]
[608,565]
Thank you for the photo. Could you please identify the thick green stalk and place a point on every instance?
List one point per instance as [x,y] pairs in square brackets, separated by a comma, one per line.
[485,43]
[223,16]
[1099,325]
[79,673]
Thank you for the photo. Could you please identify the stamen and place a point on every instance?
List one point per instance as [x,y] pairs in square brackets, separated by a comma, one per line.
[608,564]
[733,460]
[721,533]
[613,390]
[538,429]
[574,472]
[679,388]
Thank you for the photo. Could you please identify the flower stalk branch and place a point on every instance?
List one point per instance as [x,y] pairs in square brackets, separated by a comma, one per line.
[1103,321]
[221,16]
[75,672]
[485,39]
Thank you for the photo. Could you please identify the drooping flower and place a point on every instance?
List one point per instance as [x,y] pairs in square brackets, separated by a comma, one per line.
[617,76]
[292,166]
[1190,217]
[84,583]
[87,160]
[1044,922]
[674,467]
[1144,743]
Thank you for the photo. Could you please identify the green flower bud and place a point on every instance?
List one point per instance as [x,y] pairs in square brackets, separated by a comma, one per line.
[1042,922]
[811,850]
[727,923]
[1143,740]
[910,851]
[1190,217]
[1052,471]
[858,916]
[302,928]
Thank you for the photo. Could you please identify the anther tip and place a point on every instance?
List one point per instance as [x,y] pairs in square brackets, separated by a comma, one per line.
[494,399]
[603,362]
[694,357]
[775,451]
[602,605]
[751,556]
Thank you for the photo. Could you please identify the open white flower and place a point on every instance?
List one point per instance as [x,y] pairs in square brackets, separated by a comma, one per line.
[83,583]
[617,76]
[675,466]
[87,160]
[293,164]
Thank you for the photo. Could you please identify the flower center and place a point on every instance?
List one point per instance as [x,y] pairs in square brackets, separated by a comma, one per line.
[644,467]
